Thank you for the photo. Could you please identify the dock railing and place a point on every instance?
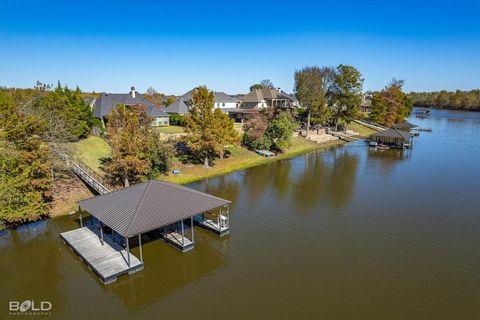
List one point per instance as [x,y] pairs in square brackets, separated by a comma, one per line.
[87,174]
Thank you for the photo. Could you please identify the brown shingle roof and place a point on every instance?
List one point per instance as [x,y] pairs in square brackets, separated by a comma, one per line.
[149,205]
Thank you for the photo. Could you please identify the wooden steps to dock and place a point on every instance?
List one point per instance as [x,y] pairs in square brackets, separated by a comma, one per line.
[107,259]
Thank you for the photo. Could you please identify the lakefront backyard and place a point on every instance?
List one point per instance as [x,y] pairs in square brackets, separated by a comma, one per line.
[345,225]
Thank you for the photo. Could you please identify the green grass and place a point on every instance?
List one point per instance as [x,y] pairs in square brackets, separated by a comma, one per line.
[241,158]
[362,130]
[90,151]
[170,129]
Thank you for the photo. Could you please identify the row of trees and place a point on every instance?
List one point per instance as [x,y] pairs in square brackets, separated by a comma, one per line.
[458,100]
[329,93]
[35,124]
[138,152]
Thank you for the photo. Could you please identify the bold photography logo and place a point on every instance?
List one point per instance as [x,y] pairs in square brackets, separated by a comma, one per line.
[30,307]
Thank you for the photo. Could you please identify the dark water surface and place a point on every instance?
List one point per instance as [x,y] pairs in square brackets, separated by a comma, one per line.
[347,233]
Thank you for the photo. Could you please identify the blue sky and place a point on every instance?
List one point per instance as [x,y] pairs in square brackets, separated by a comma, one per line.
[229,45]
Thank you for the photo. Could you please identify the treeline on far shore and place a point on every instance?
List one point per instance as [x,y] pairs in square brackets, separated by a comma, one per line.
[458,100]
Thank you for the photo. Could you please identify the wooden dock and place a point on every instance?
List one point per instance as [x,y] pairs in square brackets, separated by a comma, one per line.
[108,259]
[176,240]
[211,225]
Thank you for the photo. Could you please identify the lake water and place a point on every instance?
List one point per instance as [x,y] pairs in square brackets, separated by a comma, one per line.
[346,233]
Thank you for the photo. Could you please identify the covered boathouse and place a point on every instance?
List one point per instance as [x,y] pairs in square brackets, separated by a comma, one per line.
[393,138]
[133,211]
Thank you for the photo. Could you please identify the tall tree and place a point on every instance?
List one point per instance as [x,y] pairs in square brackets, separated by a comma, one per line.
[312,87]
[265,83]
[391,105]
[347,93]
[25,185]
[207,131]
[68,118]
[127,130]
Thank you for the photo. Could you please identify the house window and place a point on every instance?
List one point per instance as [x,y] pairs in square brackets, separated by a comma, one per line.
[223,104]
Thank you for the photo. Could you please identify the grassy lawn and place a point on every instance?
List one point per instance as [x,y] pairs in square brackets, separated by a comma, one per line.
[362,130]
[93,148]
[170,129]
[90,151]
[241,159]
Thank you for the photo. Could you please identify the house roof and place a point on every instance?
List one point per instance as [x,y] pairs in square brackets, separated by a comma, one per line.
[257,95]
[393,133]
[223,97]
[149,205]
[107,101]
[153,111]
[181,105]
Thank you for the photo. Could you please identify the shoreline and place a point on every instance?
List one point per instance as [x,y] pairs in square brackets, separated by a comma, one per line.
[213,172]
[300,146]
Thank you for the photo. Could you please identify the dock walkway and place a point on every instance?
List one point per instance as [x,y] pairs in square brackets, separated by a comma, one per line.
[108,260]
[211,225]
[176,240]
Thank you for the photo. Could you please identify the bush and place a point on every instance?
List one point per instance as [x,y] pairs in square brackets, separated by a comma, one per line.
[177,120]
[269,131]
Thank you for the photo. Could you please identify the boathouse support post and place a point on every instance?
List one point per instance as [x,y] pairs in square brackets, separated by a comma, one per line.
[183,234]
[140,245]
[80,216]
[101,231]
[228,216]
[219,219]
[191,225]
[128,250]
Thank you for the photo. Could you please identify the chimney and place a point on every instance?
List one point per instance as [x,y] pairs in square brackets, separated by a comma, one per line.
[132,92]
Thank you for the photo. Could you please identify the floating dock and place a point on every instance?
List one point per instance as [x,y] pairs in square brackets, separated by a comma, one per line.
[212,225]
[106,258]
[182,243]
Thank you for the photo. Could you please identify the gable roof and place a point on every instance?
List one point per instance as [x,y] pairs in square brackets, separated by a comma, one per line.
[181,105]
[107,101]
[257,95]
[149,205]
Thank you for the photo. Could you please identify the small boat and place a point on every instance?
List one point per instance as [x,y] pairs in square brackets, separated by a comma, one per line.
[373,143]
[424,129]
[265,153]
[382,147]
[422,113]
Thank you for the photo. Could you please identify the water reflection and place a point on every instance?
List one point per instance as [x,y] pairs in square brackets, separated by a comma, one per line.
[310,183]
[30,263]
[342,177]
[167,270]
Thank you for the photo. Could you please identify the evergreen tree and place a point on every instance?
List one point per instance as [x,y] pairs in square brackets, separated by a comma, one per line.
[67,117]
[25,184]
